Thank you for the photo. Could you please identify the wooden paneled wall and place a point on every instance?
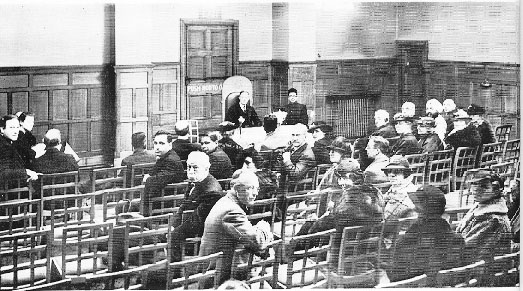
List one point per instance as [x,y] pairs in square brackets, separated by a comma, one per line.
[78,100]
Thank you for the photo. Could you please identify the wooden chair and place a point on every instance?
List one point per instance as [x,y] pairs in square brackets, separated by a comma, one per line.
[320,172]
[20,216]
[306,183]
[439,169]
[505,170]
[25,260]
[225,183]
[264,209]
[415,282]
[57,184]
[511,151]
[200,271]
[504,270]
[418,165]
[502,132]
[464,159]
[491,154]
[170,199]
[194,131]
[56,285]
[124,279]
[464,190]
[146,240]
[85,249]
[260,270]
[135,173]
[15,189]
[107,201]
[360,257]
[107,178]
[307,263]
[466,276]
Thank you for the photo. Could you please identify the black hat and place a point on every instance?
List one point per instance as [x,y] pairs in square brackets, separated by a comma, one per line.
[401,117]
[426,121]
[340,144]
[461,114]
[429,200]
[398,162]
[474,109]
[487,176]
[321,125]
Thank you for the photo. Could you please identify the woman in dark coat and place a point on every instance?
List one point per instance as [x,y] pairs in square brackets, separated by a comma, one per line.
[429,245]
[464,134]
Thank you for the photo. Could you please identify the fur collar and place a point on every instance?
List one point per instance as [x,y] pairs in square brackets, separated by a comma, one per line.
[494,206]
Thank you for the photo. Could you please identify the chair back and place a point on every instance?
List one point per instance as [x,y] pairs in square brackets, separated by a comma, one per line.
[503,271]
[418,165]
[299,209]
[503,132]
[308,259]
[204,271]
[26,259]
[466,276]
[261,269]
[464,189]
[464,159]
[169,200]
[511,151]
[320,172]
[107,178]
[439,169]
[72,209]
[135,173]
[57,184]
[491,154]
[110,199]
[16,189]
[20,216]
[415,282]
[194,131]
[264,209]
[306,183]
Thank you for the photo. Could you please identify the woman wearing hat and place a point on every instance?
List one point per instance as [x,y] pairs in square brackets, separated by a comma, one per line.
[429,245]
[486,226]
[429,141]
[339,149]
[484,128]
[464,133]
[320,130]
[397,201]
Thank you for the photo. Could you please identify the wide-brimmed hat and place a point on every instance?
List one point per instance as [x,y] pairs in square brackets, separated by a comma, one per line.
[486,176]
[461,114]
[340,144]
[429,199]
[321,125]
[398,117]
[426,121]
[398,162]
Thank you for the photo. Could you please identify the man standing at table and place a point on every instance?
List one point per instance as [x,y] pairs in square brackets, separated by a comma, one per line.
[296,112]
[242,114]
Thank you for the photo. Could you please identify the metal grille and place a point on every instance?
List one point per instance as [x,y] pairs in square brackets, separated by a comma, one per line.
[350,117]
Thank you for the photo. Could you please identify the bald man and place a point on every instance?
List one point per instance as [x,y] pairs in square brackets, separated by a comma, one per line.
[54,160]
[299,157]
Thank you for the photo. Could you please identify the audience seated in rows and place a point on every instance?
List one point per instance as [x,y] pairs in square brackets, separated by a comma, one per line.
[227,225]
[203,192]
[11,164]
[397,201]
[320,131]
[221,166]
[486,227]
[168,168]
[464,134]
[429,245]
[377,147]
[428,141]
[26,140]
[182,145]
[407,143]
[53,160]
[140,155]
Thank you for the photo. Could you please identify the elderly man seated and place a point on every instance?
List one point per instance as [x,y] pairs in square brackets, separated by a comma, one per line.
[227,225]
[407,143]
[298,158]
[54,161]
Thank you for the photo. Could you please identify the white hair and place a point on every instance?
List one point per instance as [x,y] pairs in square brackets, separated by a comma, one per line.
[434,103]
[383,114]
[449,103]
[200,158]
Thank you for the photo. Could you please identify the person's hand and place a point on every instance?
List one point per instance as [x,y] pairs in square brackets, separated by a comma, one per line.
[33,176]
[145,177]
[286,156]
[241,119]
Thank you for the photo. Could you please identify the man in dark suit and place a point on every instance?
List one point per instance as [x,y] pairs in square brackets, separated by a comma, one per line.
[382,122]
[319,130]
[53,160]
[242,114]
[182,145]
[298,158]
[140,154]
[296,112]
[221,166]
[26,139]
[407,143]
[168,168]
[203,192]
[227,225]
[11,164]
[429,141]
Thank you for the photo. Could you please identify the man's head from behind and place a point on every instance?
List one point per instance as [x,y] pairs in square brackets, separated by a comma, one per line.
[293,95]
[52,138]
[181,127]
[245,185]
[138,140]
[10,126]
[197,166]
[162,142]
[381,118]
[429,201]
